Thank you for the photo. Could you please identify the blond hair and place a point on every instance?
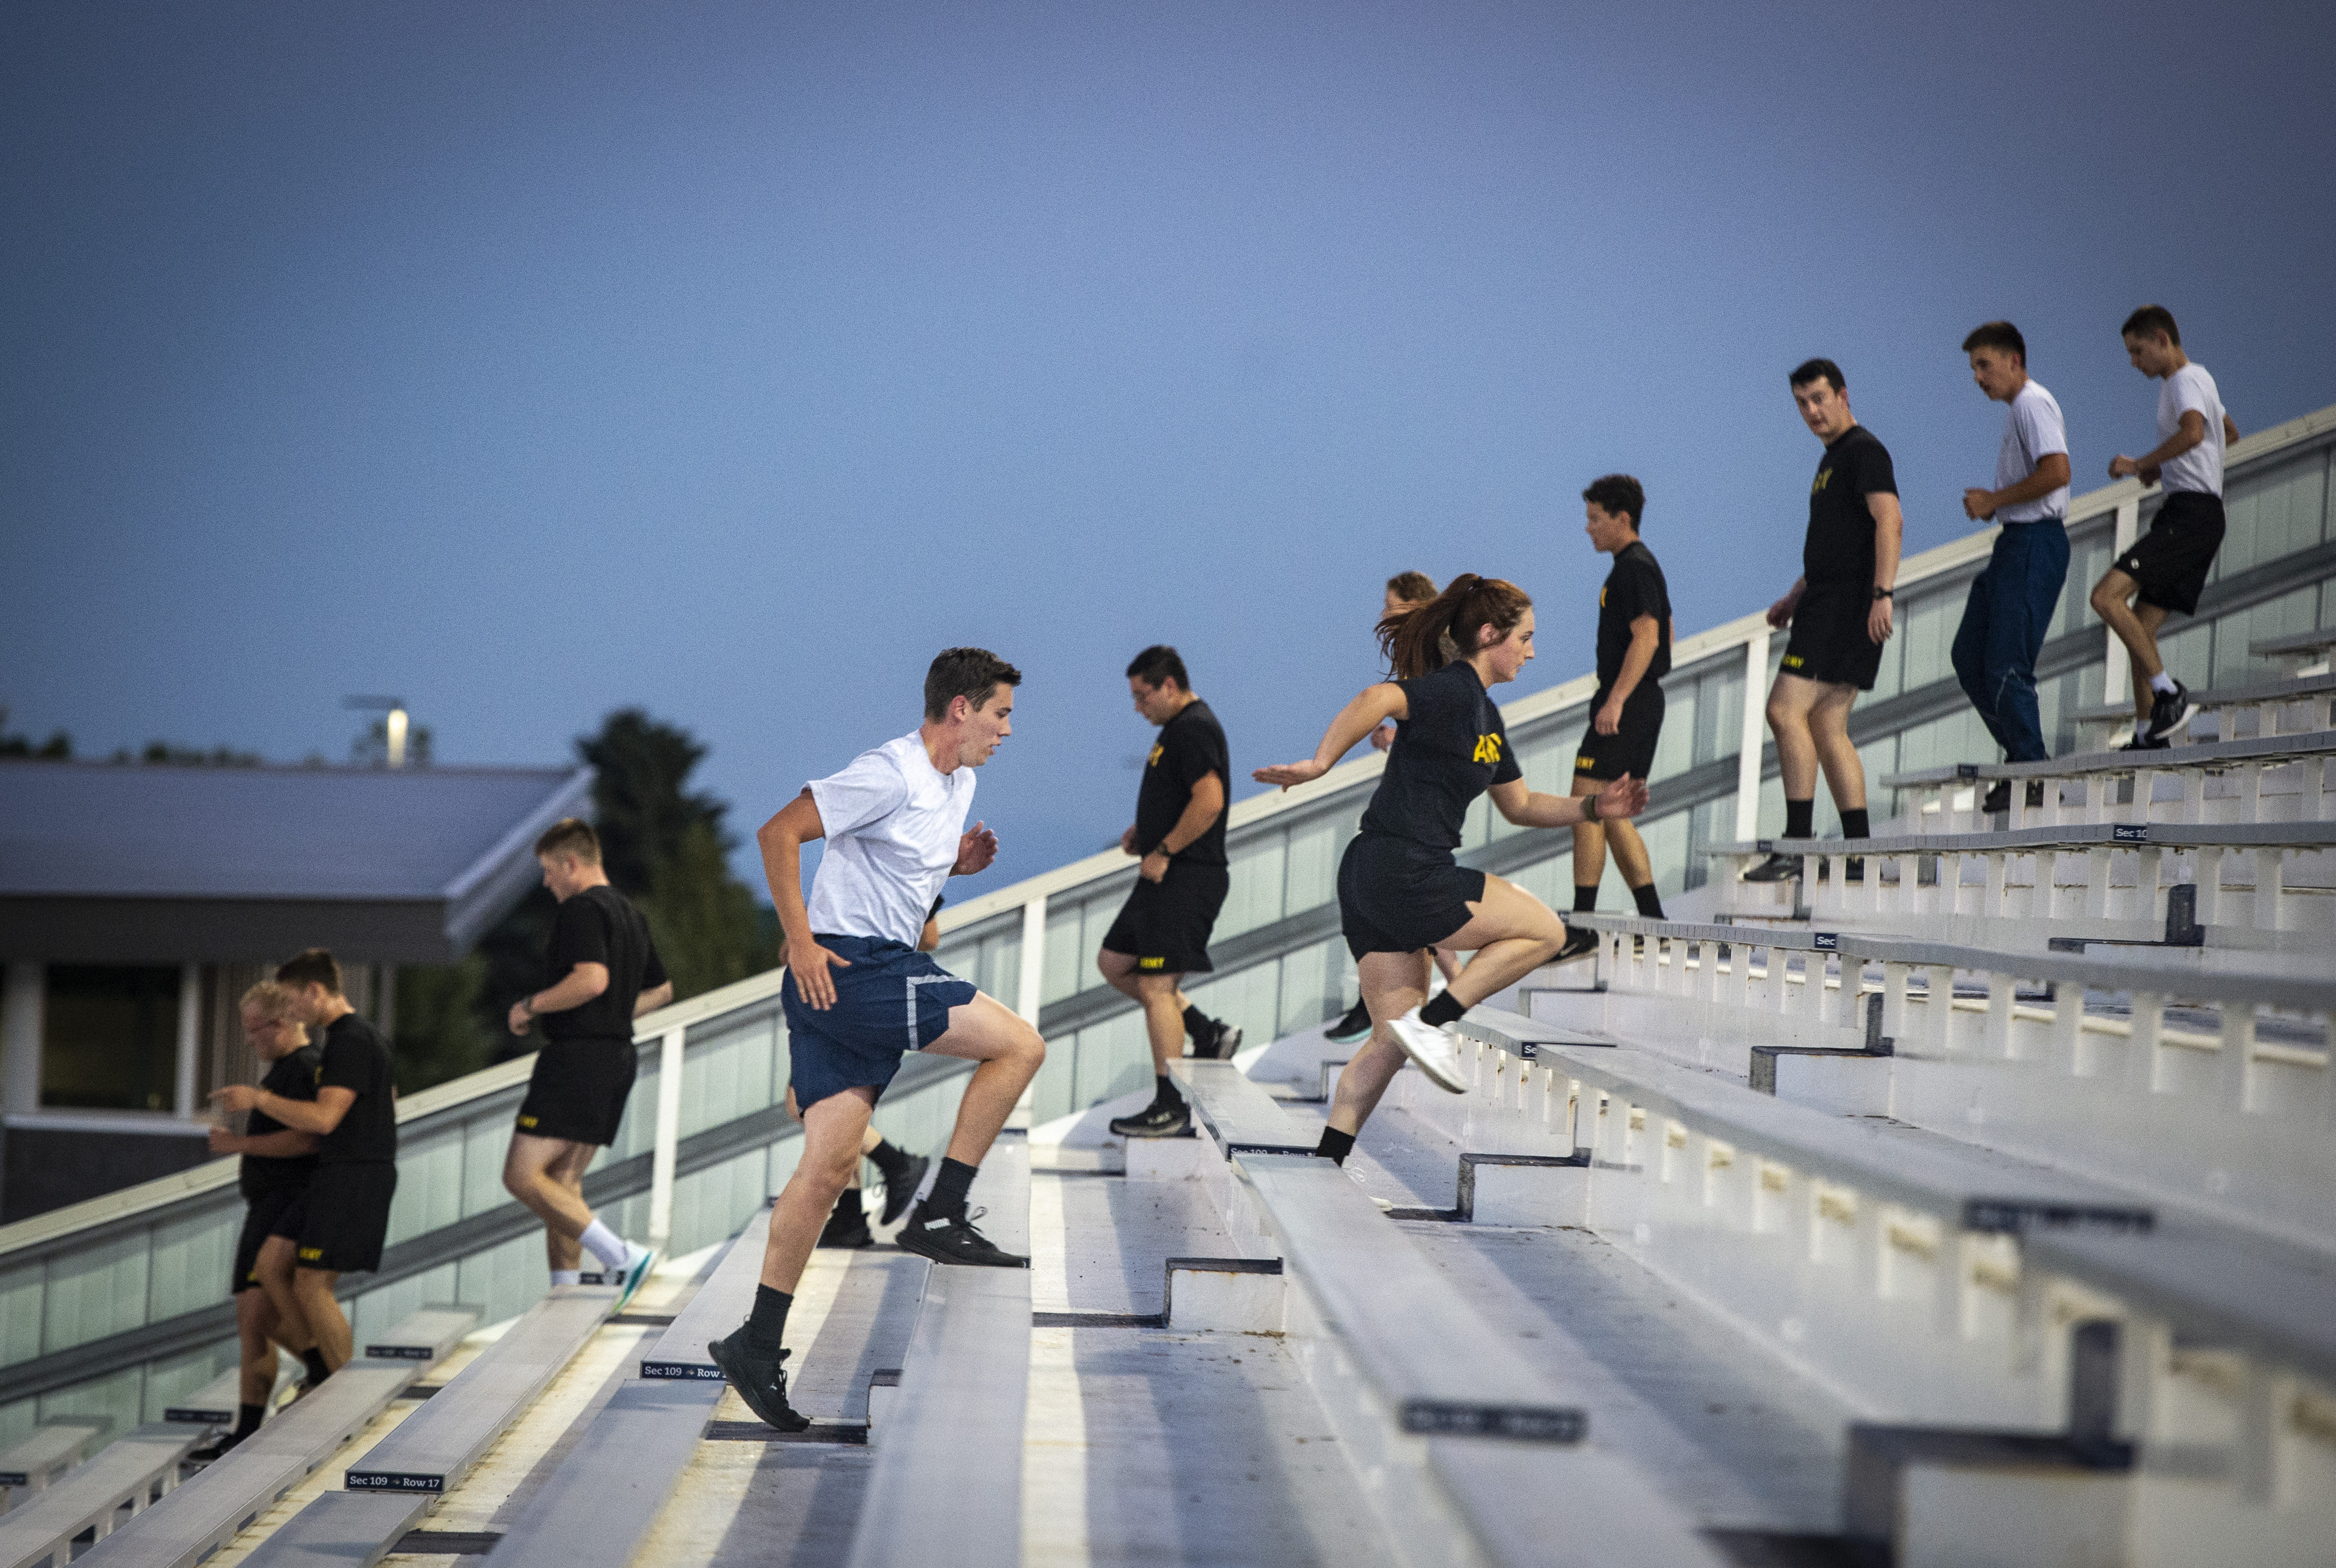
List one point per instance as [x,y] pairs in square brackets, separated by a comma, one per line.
[272,999]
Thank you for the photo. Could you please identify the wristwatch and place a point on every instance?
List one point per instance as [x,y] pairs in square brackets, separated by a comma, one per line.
[1885,593]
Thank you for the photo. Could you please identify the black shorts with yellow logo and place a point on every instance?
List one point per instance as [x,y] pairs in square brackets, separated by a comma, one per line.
[579,1089]
[263,1207]
[340,1221]
[1830,643]
[1166,925]
[1631,749]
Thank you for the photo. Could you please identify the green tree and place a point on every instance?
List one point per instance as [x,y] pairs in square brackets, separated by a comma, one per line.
[703,919]
[58,747]
[439,1035]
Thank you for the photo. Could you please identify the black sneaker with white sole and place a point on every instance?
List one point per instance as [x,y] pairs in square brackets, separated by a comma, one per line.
[211,1453]
[1173,1119]
[1356,1026]
[847,1226]
[2170,711]
[1219,1044]
[760,1381]
[2140,742]
[1776,868]
[901,1191]
[1999,799]
[951,1239]
[1580,943]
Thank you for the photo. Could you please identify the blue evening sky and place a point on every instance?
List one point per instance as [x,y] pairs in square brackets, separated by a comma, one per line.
[533,360]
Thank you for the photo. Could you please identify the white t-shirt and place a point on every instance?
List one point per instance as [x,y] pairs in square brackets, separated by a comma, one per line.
[892,822]
[2032,430]
[2201,467]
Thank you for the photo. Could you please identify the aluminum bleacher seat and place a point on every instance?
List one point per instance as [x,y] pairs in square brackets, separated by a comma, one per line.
[188,1524]
[2263,709]
[128,1476]
[54,1447]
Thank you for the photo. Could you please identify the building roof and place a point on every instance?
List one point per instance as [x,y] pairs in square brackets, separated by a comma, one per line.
[109,862]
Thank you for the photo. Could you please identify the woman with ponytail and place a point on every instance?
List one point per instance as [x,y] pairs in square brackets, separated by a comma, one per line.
[1400,890]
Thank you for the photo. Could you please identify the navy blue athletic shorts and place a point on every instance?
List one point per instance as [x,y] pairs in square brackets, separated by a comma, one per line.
[892,998]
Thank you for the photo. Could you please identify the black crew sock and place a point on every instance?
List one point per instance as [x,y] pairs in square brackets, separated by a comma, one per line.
[1441,1008]
[313,1360]
[1335,1145]
[1855,823]
[847,1202]
[768,1321]
[1585,900]
[1651,902]
[246,1419]
[1801,818]
[1198,1024]
[950,1187]
[891,1159]
[1165,1091]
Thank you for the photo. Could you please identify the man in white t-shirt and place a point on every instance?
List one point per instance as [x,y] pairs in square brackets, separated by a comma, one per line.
[2165,569]
[2012,600]
[859,993]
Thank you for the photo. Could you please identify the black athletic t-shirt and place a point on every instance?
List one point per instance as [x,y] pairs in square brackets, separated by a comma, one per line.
[1634,588]
[353,1056]
[600,926]
[1840,547]
[1190,748]
[294,1077]
[1450,750]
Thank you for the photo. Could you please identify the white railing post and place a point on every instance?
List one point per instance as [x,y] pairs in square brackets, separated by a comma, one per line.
[1033,978]
[1747,756]
[664,1152]
[189,1042]
[2117,669]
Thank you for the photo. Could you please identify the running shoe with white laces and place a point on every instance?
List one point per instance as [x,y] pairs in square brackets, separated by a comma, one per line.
[760,1380]
[951,1239]
[1356,1026]
[639,1261]
[1581,942]
[1435,1052]
[2171,711]
[898,1195]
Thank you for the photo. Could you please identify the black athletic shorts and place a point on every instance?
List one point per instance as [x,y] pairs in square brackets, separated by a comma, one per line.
[1830,643]
[1164,926]
[1396,896]
[339,1221]
[2172,559]
[579,1089]
[1631,749]
[262,1209]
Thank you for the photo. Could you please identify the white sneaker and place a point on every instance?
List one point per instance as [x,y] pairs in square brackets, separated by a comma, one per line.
[1435,1052]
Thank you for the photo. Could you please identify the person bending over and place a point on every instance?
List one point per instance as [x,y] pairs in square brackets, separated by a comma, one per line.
[894,826]
[1400,890]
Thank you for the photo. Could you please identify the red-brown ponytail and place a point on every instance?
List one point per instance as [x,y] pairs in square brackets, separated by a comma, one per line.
[1413,640]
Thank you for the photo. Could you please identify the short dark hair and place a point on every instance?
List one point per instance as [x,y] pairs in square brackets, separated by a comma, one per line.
[971,673]
[2150,321]
[1157,666]
[312,967]
[1412,586]
[1616,495]
[570,836]
[1997,335]
[1810,370]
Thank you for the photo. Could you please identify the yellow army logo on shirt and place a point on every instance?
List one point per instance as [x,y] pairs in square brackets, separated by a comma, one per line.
[1818,483]
[1601,597]
[1157,750]
[1488,749]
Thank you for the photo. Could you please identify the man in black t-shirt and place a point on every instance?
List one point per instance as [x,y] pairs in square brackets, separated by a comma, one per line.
[1840,613]
[1163,932]
[606,972]
[276,1165]
[340,1220]
[1626,713]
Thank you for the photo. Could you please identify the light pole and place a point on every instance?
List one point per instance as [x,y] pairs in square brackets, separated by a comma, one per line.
[392,725]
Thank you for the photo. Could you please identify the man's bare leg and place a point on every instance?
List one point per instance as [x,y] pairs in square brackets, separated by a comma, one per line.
[546,1175]
[318,1306]
[1845,770]
[1789,701]
[275,1271]
[1590,843]
[1008,1052]
[832,1130]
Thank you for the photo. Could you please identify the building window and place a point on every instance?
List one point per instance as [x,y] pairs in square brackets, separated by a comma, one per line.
[109,1037]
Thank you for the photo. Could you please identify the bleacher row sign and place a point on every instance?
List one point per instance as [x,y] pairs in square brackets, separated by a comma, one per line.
[2017,1215]
[393,1481]
[1520,1423]
[681,1372]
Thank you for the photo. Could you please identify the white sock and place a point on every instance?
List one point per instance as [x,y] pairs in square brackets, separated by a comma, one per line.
[605,1244]
[2162,682]
[567,1276]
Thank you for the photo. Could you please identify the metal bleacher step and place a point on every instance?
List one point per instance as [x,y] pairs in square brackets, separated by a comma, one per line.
[946,1486]
[54,1447]
[124,1474]
[595,1508]
[186,1524]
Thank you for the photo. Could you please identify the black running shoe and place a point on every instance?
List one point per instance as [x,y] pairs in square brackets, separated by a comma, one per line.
[211,1453]
[2170,711]
[1356,1026]
[1999,798]
[847,1227]
[760,1381]
[1580,943]
[951,1239]
[901,1191]
[1776,868]
[1853,869]
[1171,1120]
[1220,1042]
[2141,742]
